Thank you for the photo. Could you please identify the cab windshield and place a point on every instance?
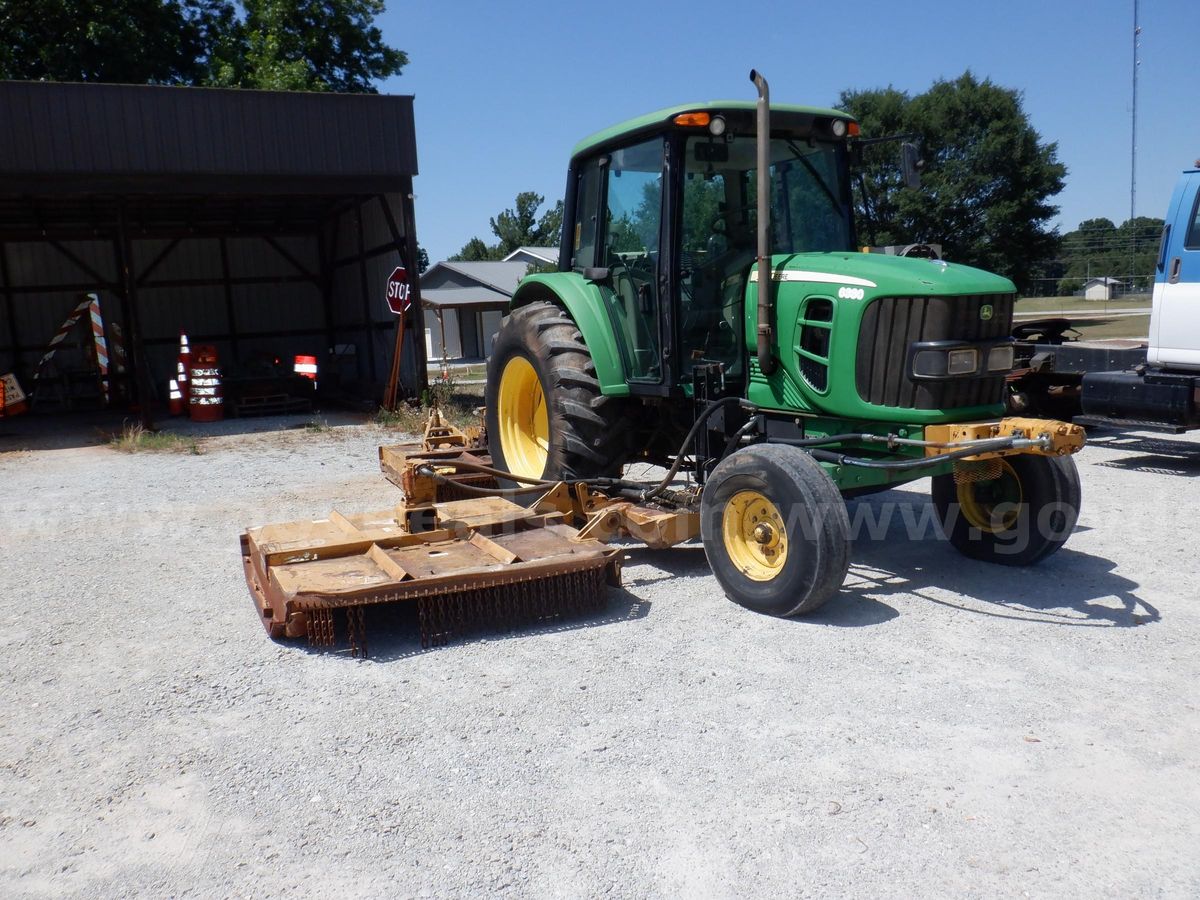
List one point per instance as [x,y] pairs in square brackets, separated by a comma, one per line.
[810,211]
[810,208]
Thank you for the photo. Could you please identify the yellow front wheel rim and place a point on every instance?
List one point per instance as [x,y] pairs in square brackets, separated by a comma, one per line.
[754,536]
[524,419]
[993,505]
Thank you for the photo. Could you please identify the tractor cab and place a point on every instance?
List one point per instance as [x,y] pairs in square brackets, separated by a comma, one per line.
[662,217]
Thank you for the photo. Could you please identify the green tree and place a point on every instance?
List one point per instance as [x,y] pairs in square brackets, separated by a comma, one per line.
[519,226]
[987,182]
[313,45]
[1100,249]
[473,250]
[121,41]
[308,45]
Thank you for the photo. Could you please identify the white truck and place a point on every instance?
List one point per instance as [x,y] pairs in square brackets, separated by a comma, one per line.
[1127,385]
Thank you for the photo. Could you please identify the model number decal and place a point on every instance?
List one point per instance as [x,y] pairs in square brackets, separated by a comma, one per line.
[849,293]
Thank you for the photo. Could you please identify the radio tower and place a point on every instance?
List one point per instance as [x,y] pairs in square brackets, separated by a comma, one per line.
[1137,32]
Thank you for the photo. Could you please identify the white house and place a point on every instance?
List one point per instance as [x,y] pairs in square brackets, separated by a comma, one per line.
[1101,288]
[464,302]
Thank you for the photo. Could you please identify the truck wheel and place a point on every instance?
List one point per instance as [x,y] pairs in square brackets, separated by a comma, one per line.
[546,417]
[775,529]
[1024,511]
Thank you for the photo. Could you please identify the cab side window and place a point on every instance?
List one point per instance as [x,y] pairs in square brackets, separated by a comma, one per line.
[587,203]
[629,240]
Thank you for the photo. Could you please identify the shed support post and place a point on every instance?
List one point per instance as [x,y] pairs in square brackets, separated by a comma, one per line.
[136,348]
[11,308]
[368,324]
[325,259]
[412,255]
[229,310]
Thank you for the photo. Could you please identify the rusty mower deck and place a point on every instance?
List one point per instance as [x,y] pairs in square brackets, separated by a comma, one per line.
[465,563]
[470,562]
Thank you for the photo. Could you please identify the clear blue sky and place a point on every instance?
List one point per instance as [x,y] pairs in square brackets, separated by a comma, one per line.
[504,90]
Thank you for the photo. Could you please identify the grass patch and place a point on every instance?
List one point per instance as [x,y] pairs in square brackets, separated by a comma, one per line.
[456,401]
[136,439]
[1066,305]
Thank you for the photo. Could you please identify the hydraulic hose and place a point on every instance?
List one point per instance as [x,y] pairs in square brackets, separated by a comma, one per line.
[428,472]
[923,462]
[687,442]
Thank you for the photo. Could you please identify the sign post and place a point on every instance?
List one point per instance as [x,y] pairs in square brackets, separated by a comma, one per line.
[399,299]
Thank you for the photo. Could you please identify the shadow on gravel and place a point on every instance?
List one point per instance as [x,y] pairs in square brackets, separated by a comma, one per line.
[1068,588]
[897,559]
[849,610]
[1162,456]
[94,428]
[393,631]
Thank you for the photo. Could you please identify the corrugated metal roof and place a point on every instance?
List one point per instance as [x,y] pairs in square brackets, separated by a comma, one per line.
[180,139]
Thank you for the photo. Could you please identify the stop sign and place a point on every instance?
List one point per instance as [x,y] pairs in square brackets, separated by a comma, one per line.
[399,292]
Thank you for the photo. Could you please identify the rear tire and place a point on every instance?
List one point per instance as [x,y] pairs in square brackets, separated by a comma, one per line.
[546,416]
[775,529]
[1016,519]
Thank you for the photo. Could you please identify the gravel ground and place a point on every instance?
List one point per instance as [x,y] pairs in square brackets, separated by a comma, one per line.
[941,728]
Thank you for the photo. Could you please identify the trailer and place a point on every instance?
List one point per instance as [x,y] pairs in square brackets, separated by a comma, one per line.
[1151,385]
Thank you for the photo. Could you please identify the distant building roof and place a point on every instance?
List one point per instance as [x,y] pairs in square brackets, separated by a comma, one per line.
[455,297]
[1105,280]
[501,276]
[541,254]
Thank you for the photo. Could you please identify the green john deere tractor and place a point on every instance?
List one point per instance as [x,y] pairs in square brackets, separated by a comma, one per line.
[712,315]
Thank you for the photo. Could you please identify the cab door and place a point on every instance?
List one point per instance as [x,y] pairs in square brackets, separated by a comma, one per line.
[1175,317]
[630,238]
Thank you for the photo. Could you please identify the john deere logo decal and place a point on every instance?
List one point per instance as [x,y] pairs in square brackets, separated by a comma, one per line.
[985,312]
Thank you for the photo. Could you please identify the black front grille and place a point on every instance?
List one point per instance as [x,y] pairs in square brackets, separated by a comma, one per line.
[891,325]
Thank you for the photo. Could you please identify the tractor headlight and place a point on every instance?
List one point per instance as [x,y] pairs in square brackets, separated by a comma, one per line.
[939,363]
[716,126]
[839,128]
[962,362]
[1001,358]
[929,363]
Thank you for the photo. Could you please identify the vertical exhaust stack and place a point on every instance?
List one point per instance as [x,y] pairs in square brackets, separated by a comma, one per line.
[766,362]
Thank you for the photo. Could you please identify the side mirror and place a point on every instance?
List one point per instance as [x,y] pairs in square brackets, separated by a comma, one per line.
[910,165]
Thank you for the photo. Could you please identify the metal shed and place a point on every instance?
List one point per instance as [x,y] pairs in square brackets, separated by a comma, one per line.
[260,222]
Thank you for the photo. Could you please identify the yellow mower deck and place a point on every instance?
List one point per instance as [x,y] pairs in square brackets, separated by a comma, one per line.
[486,560]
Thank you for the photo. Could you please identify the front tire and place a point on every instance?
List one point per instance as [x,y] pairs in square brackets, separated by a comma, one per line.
[775,530]
[1020,515]
[546,416]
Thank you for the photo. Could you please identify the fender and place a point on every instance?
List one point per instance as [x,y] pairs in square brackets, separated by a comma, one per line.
[584,303]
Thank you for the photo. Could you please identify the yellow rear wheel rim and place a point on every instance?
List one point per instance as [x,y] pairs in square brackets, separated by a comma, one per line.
[754,536]
[994,505]
[524,419]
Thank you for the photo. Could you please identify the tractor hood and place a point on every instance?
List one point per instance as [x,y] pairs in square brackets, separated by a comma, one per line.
[881,275]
